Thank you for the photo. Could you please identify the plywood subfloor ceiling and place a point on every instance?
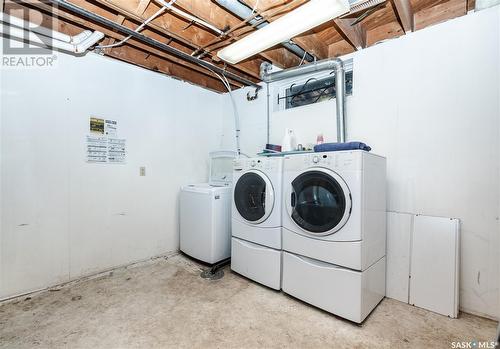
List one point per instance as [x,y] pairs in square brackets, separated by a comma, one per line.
[355,31]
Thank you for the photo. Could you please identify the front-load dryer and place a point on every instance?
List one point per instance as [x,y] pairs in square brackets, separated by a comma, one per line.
[256,219]
[334,207]
[334,230]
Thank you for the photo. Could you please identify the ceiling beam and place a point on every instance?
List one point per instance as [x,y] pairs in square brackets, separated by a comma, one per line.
[221,18]
[404,13]
[148,41]
[354,33]
[192,73]
[143,59]
[339,48]
[471,5]
[190,39]
[41,4]
[119,19]
[440,13]
[141,8]
[130,11]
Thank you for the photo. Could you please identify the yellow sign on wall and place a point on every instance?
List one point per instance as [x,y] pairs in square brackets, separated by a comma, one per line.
[97,125]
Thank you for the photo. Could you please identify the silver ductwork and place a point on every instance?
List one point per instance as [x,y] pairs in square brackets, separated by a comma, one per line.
[242,11]
[361,5]
[336,65]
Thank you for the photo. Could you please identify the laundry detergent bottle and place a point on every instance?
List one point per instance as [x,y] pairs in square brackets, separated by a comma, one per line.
[289,141]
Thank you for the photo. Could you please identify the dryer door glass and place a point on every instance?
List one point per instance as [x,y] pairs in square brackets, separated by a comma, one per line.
[250,196]
[318,202]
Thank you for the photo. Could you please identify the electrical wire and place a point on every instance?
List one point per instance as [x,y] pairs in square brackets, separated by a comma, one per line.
[139,28]
[225,82]
[303,58]
[255,7]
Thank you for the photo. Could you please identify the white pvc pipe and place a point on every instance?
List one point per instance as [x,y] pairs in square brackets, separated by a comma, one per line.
[31,27]
[36,39]
[80,44]
[78,38]
[18,22]
[88,42]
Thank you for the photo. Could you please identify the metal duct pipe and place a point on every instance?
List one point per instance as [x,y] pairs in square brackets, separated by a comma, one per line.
[340,100]
[337,65]
[147,40]
[243,11]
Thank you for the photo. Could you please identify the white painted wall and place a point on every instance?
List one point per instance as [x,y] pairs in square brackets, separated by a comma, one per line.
[429,102]
[61,217]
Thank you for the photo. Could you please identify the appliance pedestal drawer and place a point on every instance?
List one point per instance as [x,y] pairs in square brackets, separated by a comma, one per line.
[344,292]
[259,263]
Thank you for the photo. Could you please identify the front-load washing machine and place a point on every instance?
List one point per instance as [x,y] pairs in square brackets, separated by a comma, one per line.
[334,231]
[256,219]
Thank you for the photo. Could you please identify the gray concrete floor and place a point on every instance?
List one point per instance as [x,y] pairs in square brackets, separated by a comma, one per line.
[165,304]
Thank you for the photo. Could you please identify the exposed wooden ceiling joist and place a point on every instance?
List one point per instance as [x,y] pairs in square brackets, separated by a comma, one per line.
[142,6]
[173,27]
[192,72]
[404,13]
[440,13]
[354,31]
[219,17]
[250,69]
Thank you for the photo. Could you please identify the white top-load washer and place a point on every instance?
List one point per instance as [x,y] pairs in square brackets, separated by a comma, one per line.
[256,219]
[334,230]
[205,222]
[205,212]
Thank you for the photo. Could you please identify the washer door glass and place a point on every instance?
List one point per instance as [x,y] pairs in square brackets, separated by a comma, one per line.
[250,197]
[318,202]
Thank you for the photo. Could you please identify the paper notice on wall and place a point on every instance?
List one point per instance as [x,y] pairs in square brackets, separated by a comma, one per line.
[97,149]
[104,150]
[116,150]
[103,146]
[110,128]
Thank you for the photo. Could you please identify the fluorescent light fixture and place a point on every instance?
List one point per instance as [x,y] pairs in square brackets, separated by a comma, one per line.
[298,21]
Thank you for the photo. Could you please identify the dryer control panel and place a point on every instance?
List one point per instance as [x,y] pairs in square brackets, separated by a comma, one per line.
[259,163]
[350,160]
